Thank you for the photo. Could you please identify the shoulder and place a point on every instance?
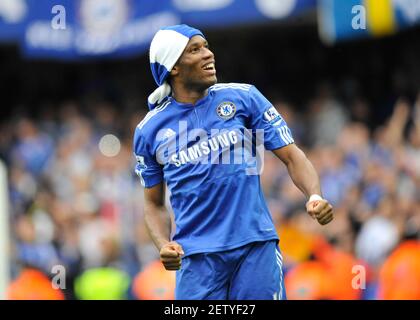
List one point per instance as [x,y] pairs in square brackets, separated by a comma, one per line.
[151,123]
[232,86]
[240,90]
[153,118]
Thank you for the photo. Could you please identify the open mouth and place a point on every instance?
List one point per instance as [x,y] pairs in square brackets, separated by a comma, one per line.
[209,66]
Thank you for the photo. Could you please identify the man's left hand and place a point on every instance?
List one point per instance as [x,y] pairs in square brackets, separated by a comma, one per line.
[321,210]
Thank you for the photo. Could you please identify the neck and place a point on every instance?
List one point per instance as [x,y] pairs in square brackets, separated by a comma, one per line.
[187,95]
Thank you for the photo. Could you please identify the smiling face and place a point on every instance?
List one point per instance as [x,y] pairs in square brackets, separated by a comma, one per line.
[195,69]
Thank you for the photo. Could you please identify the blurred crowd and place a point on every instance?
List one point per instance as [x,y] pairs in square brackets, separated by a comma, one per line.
[72,204]
[372,177]
[76,204]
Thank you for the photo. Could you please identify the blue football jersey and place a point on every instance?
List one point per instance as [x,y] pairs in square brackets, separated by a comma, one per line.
[209,155]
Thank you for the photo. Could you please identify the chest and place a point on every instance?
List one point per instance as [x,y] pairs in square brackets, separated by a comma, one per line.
[198,129]
[219,114]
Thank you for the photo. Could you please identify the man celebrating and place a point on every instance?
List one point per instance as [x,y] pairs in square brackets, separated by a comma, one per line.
[225,245]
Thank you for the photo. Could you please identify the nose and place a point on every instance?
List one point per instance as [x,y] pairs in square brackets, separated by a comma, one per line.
[208,53]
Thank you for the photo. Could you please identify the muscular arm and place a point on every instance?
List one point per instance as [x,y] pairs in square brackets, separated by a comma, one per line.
[158,224]
[300,169]
[304,176]
[157,218]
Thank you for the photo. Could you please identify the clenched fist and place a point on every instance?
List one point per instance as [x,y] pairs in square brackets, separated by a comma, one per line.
[170,255]
[320,210]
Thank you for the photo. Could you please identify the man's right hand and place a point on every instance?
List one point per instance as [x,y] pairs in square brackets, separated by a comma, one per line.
[170,255]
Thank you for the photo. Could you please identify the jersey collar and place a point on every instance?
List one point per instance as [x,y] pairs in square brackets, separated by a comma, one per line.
[200,102]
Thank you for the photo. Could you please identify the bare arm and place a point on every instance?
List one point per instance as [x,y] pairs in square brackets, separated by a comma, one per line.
[304,176]
[158,224]
[157,219]
[300,169]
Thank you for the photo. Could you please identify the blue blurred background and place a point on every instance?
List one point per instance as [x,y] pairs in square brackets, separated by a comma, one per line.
[75,77]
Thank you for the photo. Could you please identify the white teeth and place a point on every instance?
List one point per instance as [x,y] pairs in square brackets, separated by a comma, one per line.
[209,66]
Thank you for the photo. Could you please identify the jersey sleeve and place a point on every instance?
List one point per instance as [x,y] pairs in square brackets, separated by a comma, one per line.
[264,116]
[147,168]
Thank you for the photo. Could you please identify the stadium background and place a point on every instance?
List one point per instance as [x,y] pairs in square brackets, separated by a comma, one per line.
[353,106]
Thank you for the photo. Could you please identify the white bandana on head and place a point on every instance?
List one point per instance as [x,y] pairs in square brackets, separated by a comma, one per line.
[166,48]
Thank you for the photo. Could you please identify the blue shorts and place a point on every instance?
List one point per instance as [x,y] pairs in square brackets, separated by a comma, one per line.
[251,272]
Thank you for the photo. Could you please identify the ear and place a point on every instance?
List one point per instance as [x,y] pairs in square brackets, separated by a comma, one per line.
[174,71]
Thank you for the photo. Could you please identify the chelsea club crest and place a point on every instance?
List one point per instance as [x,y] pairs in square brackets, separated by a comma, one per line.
[226,110]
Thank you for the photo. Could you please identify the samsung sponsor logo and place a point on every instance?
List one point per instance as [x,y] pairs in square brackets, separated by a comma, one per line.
[180,145]
[195,152]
